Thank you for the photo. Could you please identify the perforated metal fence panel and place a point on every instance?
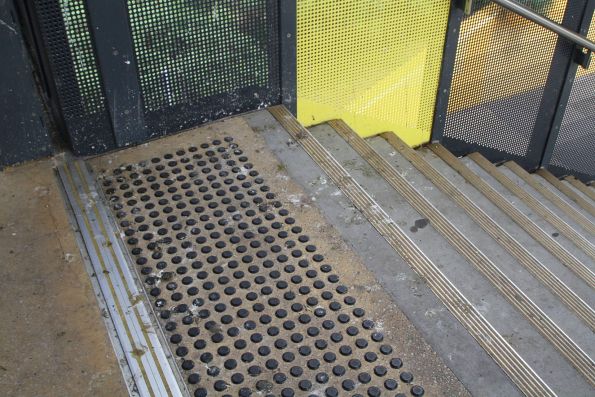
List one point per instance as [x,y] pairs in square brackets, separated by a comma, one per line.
[507,73]
[374,64]
[203,60]
[129,70]
[573,148]
[71,59]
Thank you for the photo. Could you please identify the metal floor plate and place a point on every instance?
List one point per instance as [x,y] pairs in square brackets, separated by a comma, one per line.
[250,302]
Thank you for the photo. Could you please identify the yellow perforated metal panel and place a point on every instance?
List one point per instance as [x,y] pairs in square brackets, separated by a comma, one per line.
[374,64]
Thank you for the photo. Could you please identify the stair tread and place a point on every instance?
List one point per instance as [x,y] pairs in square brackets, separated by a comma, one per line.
[563,239]
[564,191]
[577,219]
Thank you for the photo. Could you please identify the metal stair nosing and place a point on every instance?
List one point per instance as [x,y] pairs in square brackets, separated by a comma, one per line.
[569,210]
[571,194]
[531,202]
[516,215]
[491,341]
[533,313]
[585,189]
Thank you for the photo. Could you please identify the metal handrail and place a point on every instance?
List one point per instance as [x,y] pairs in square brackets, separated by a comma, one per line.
[547,23]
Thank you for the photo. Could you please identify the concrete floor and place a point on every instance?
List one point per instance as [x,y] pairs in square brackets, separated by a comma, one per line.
[53,338]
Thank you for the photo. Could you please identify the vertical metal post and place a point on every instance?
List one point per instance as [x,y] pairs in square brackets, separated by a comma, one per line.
[562,60]
[565,91]
[455,18]
[288,53]
[115,53]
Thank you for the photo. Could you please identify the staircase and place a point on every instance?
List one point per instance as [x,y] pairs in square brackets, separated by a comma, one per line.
[509,254]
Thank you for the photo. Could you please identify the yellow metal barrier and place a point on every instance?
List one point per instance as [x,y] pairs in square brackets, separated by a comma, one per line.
[374,64]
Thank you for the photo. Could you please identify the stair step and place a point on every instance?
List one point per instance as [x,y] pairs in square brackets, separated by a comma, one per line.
[589,191]
[486,233]
[471,364]
[538,211]
[582,223]
[521,219]
[565,189]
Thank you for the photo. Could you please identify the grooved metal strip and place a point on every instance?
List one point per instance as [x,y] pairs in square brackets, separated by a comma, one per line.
[533,313]
[517,216]
[520,253]
[148,362]
[540,209]
[571,194]
[551,196]
[494,344]
[587,190]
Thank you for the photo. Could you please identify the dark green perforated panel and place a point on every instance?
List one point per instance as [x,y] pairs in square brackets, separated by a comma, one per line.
[202,60]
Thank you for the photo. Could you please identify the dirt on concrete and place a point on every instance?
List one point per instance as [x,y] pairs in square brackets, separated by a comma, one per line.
[53,341]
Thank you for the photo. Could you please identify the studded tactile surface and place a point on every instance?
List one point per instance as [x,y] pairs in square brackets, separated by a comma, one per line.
[248,299]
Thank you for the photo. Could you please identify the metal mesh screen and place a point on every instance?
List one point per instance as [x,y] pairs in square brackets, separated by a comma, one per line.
[66,35]
[502,65]
[202,60]
[573,151]
[374,64]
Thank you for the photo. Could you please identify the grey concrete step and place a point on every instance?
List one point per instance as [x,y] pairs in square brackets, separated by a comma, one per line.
[572,240]
[548,239]
[578,188]
[567,193]
[564,239]
[580,222]
[472,284]
[588,190]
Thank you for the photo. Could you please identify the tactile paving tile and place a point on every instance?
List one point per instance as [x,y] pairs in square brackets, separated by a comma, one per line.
[247,300]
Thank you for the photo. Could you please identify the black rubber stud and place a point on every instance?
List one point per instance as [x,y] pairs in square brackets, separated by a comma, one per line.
[406,377]
[200,392]
[287,392]
[322,377]
[348,385]
[396,363]
[305,385]
[390,384]
[331,392]
[417,391]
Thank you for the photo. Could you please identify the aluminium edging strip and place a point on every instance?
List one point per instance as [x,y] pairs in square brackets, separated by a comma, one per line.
[132,330]
[167,368]
[86,257]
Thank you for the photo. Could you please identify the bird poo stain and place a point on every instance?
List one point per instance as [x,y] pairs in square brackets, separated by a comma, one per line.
[249,304]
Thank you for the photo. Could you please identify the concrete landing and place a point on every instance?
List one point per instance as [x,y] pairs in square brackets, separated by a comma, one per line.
[53,338]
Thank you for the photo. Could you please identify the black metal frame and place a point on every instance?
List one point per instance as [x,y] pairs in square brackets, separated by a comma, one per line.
[115,54]
[25,133]
[564,97]
[126,121]
[550,107]
[85,135]
[288,53]
[455,18]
